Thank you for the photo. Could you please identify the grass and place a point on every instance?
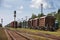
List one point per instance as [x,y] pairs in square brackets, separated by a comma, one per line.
[56,33]
[33,36]
[39,37]
[2,35]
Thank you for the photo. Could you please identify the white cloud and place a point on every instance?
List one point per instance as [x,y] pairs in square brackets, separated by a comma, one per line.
[8,3]
[21,7]
[7,6]
[10,0]
[19,11]
[37,4]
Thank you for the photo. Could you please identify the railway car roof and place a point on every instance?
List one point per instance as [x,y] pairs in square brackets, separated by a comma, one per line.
[43,17]
[35,18]
[30,19]
[47,16]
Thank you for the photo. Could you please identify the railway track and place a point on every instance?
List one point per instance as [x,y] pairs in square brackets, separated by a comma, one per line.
[17,35]
[12,35]
[44,35]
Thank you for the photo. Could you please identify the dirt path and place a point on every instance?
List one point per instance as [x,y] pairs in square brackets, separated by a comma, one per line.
[2,34]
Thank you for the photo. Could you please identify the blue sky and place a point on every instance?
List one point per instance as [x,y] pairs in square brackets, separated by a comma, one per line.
[25,8]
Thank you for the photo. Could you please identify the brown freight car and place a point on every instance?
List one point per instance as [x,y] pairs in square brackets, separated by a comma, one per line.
[14,24]
[35,22]
[47,22]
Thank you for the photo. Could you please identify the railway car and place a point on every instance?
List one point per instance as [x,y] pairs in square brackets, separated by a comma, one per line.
[14,24]
[35,23]
[30,23]
[47,23]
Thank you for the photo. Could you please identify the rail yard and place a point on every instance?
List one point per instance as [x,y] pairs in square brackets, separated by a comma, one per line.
[42,28]
[29,20]
[28,34]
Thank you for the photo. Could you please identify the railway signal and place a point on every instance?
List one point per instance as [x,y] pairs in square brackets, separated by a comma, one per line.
[14,17]
[1,21]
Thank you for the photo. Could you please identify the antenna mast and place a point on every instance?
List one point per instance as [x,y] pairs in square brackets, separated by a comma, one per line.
[41,8]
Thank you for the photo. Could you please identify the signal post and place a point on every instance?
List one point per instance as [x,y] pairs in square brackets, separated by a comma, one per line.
[14,18]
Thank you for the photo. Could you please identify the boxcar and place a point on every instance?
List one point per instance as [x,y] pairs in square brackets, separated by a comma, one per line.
[35,23]
[14,24]
[47,22]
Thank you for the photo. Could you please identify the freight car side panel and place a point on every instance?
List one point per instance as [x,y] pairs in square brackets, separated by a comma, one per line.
[12,24]
[33,23]
[37,21]
[42,22]
[50,21]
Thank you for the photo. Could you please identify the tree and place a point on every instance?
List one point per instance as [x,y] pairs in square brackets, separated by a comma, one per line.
[49,14]
[57,15]
[58,11]
[39,15]
[33,16]
[42,14]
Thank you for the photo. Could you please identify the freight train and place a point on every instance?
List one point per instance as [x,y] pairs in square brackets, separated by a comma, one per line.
[13,24]
[43,23]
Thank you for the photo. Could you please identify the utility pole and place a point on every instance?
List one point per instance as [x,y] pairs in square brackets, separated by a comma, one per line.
[22,22]
[26,18]
[14,18]
[26,22]
[2,22]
